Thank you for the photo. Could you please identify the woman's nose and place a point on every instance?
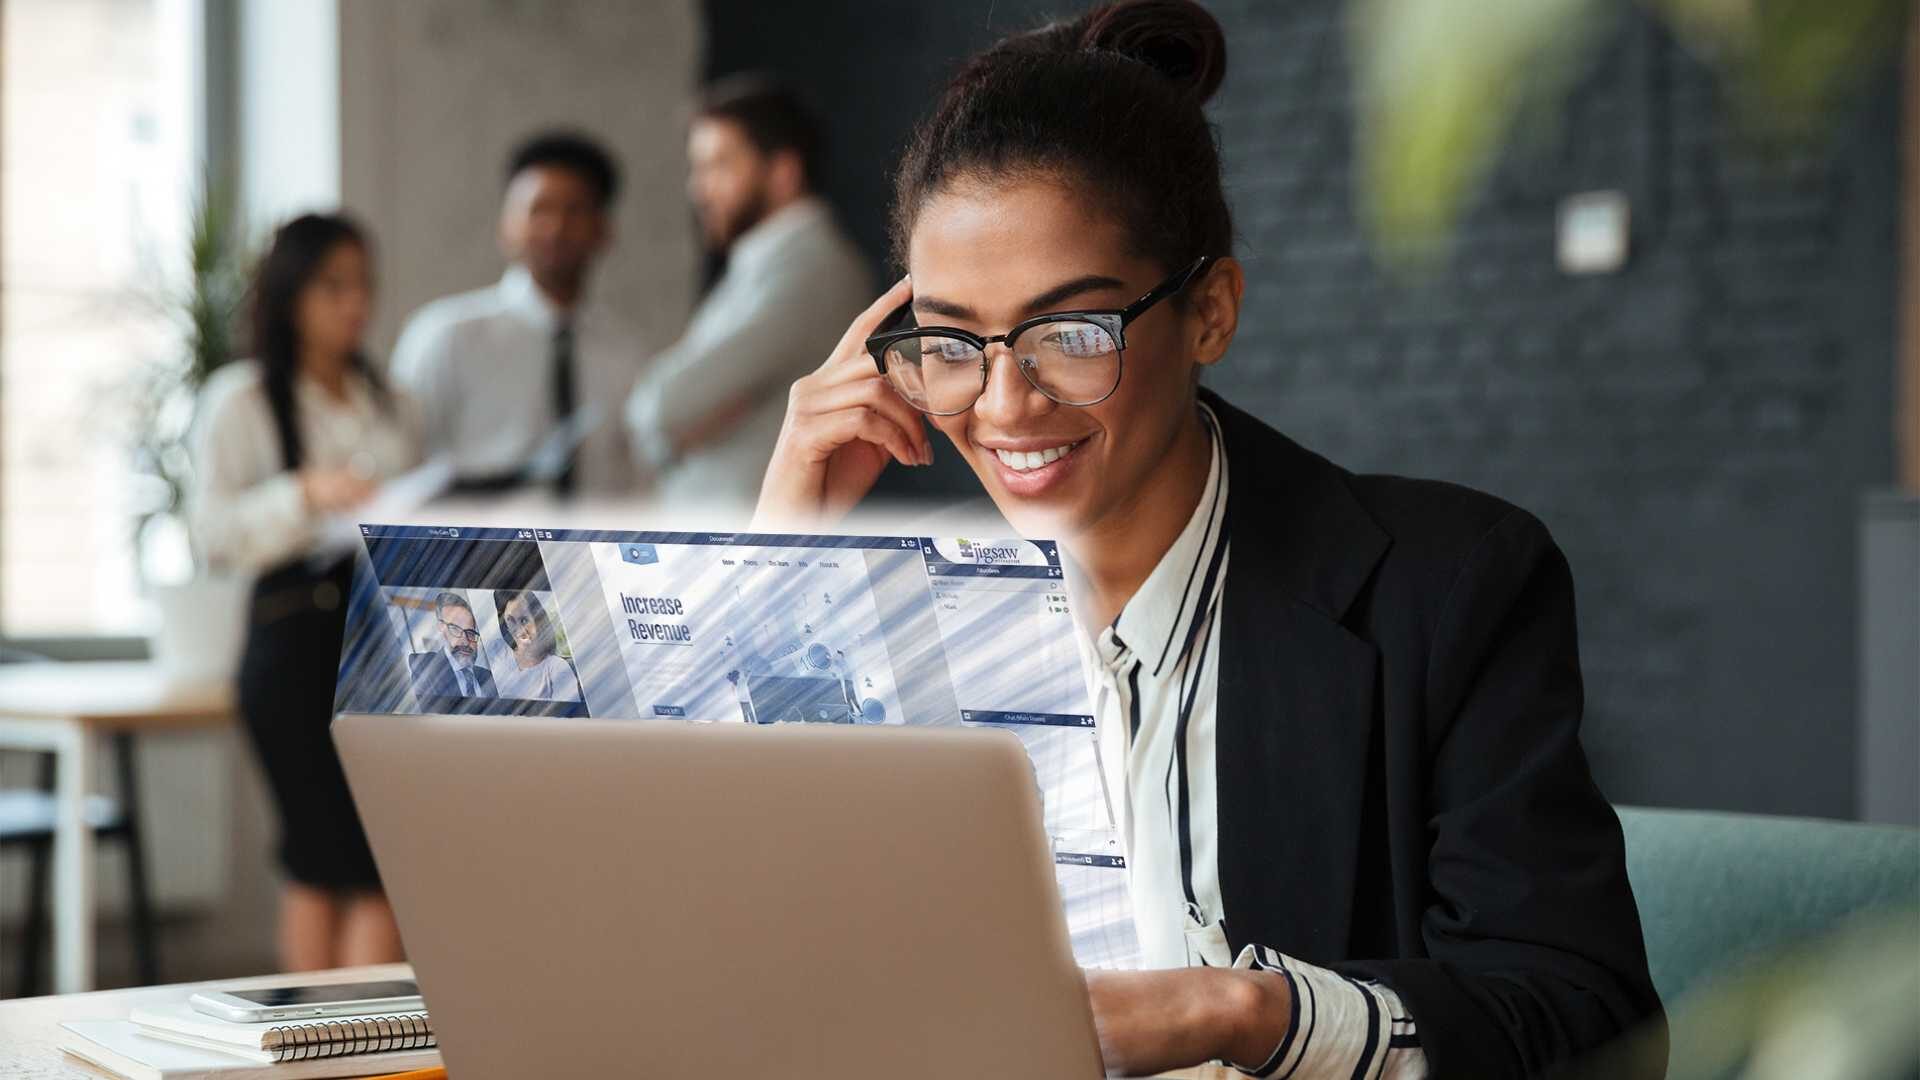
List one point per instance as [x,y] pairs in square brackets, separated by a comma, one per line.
[1008,399]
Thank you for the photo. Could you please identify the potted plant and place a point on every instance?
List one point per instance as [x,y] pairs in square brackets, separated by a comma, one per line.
[199,614]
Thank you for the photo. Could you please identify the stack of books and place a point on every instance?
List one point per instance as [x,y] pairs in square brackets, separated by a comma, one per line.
[177,1042]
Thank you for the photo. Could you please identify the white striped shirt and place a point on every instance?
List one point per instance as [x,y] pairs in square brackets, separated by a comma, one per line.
[1154,674]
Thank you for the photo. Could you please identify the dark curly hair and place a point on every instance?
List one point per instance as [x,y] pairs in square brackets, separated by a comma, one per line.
[574,151]
[293,260]
[1110,103]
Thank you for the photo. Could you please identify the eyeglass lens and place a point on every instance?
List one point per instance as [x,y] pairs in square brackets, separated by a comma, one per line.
[1072,362]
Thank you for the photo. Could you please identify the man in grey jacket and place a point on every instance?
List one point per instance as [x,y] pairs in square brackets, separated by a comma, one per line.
[704,415]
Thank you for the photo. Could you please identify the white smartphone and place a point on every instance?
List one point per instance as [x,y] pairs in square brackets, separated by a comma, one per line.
[307,1002]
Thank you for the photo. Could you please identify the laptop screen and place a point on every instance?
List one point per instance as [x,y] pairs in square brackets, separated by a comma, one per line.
[757,629]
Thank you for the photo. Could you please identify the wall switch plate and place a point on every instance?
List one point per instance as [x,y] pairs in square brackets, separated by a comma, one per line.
[1593,230]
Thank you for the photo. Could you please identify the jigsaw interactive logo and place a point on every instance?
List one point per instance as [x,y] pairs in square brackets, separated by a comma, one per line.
[987,554]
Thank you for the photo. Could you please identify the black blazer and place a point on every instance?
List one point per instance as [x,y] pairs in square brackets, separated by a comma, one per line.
[1402,793]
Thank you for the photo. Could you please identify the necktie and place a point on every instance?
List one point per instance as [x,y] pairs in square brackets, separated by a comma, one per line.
[563,400]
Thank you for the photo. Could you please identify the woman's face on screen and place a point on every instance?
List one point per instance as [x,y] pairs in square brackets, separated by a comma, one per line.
[984,257]
[525,631]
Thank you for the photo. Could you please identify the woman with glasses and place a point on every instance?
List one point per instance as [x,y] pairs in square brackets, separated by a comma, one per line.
[539,672]
[1344,709]
[304,431]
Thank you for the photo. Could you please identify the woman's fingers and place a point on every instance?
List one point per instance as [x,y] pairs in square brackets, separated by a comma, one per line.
[844,402]
[861,422]
[864,325]
[876,394]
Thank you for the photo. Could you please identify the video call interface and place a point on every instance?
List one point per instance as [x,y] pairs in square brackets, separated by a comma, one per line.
[755,629]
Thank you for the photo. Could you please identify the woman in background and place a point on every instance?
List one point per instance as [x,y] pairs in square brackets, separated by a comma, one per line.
[304,431]
[539,673]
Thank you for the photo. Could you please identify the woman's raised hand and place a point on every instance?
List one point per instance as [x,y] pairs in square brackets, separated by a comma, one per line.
[844,422]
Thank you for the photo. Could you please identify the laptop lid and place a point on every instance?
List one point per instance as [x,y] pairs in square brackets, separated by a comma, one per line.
[581,897]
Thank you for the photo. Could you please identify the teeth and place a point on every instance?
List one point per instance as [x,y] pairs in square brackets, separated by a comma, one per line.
[1024,462]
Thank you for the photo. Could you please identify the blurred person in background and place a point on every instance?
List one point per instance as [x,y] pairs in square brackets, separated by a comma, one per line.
[303,431]
[498,370]
[704,416]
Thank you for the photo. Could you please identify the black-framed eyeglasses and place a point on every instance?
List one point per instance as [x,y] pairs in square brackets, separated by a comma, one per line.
[1073,357]
[471,635]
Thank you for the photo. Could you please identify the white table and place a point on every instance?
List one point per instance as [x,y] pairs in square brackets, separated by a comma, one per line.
[30,1032]
[66,709]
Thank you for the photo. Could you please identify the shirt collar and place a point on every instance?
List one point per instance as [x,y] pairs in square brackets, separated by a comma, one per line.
[1153,625]
[770,232]
[519,294]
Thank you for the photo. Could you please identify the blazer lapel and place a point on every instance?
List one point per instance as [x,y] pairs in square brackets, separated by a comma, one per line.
[1297,695]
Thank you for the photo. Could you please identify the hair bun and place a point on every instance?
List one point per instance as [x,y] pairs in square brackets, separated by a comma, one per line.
[1177,38]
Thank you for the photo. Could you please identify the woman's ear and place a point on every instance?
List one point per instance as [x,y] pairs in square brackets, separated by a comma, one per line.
[1215,302]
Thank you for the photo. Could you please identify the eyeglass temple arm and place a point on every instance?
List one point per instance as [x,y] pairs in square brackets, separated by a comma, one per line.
[1163,290]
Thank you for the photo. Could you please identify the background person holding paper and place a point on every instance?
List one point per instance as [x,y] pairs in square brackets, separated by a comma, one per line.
[305,431]
[1343,710]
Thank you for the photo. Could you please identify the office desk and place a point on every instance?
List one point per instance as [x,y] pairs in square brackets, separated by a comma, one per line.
[30,1031]
[66,709]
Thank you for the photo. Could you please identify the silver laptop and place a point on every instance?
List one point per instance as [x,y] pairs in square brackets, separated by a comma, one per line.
[658,899]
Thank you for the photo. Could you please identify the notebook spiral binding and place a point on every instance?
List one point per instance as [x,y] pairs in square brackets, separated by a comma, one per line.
[338,1038]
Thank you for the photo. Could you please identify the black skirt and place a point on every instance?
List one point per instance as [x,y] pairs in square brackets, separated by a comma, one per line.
[287,676]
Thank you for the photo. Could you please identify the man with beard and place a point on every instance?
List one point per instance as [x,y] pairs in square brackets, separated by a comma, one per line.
[514,380]
[450,677]
[704,417]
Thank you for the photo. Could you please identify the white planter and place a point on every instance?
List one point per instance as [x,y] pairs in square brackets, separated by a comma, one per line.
[202,624]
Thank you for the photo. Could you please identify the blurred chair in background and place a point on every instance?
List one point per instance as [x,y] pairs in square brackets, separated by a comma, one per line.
[1782,947]
[705,414]
[1715,888]
[501,372]
[27,821]
[284,442]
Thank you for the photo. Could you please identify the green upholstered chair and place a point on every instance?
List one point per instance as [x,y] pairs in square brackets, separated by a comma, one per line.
[1717,888]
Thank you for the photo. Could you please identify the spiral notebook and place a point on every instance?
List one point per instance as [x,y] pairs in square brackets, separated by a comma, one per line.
[121,1048]
[270,1043]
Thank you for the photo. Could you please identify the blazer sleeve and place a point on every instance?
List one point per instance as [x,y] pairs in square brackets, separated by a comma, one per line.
[1534,951]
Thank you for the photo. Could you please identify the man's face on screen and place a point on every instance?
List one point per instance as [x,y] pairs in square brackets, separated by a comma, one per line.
[727,179]
[985,256]
[457,627]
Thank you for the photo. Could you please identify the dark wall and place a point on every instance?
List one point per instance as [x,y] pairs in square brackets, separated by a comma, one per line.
[1694,429]
[871,67]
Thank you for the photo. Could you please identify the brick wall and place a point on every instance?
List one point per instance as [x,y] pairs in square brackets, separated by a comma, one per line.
[1695,429]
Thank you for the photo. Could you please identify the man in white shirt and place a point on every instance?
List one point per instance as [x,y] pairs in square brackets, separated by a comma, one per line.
[704,417]
[518,381]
